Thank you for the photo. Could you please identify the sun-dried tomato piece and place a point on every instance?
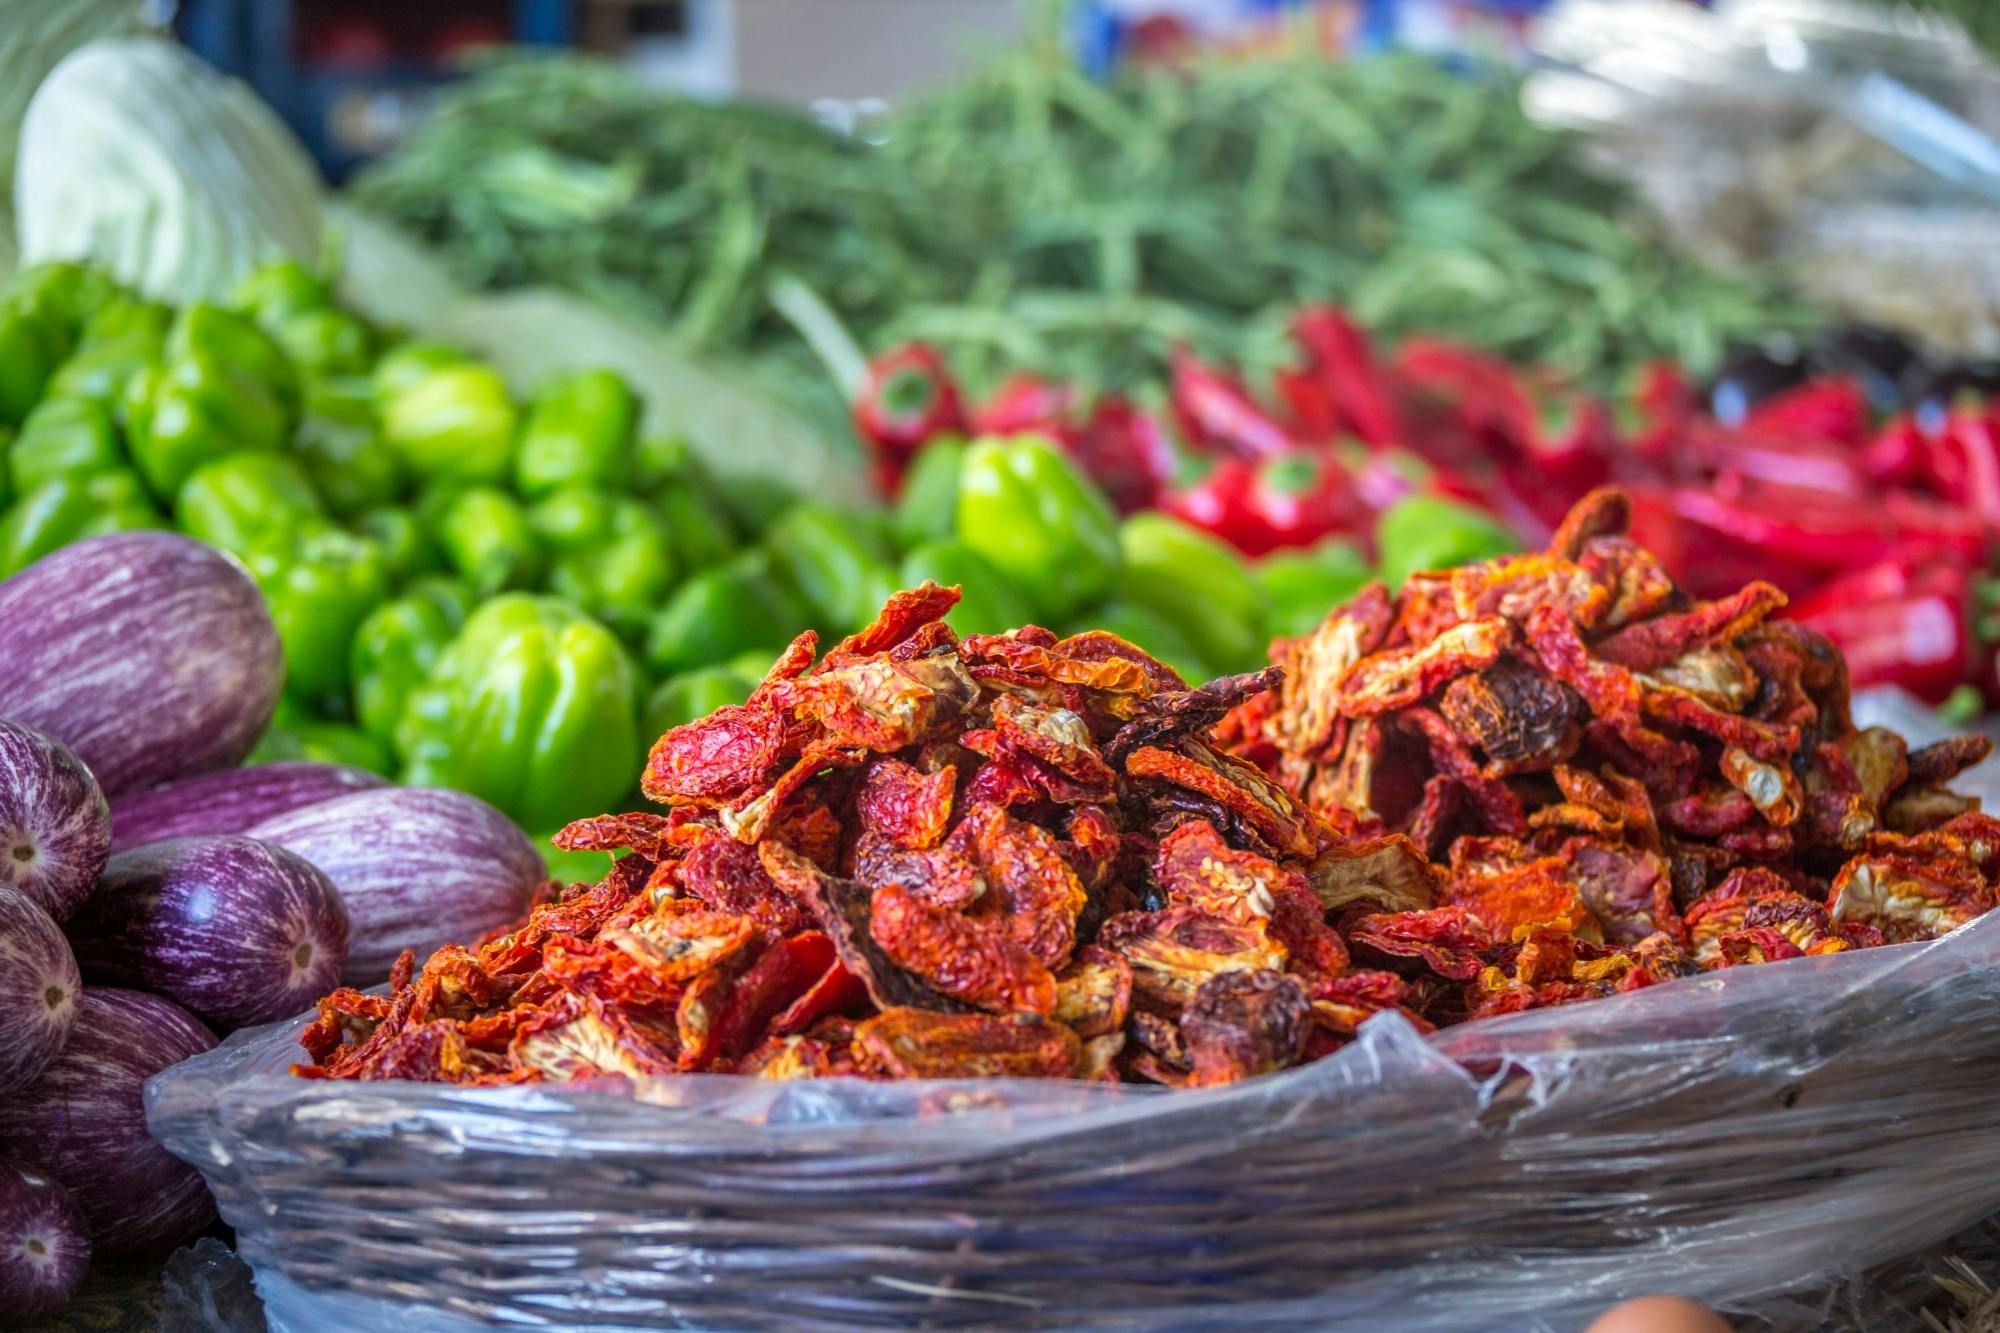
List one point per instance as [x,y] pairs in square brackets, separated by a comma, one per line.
[943,876]
[1098,645]
[916,1043]
[1057,738]
[579,1036]
[1941,761]
[1451,941]
[1603,512]
[751,817]
[1241,1024]
[729,877]
[681,938]
[1342,1004]
[1652,644]
[837,991]
[903,615]
[1772,788]
[1246,793]
[1398,677]
[1766,741]
[1539,893]
[786,971]
[1034,892]
[1710,813]
[1093,847]
[843,908]
[1387,873]
[876,704]
[1196,868]
[1426,609]
[971,958]
[1094,993]
[649,835]
[909,807]
[1519,717]
[1512,586]
[1910,892]
[1173,951]
[1019,655]
[716,758]
[1629,891]
[1316,664]
[1721,678]
[1638,585]
[787,1058]
[590,967]
[1167,715]
[1496,802]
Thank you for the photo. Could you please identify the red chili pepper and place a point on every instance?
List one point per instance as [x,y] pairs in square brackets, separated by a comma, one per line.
[1025,402]
[1832,408]
[1124,450]
[909,398]
[1962,461]
[1315,417]
[1566,456]
[1899,455]
[1463,404]
[1340,357]
[1906,620]
[1663,402]
[1217,500]
[1294,500]
[1215,411]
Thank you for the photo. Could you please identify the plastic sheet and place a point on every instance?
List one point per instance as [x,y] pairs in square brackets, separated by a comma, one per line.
[1729,1136]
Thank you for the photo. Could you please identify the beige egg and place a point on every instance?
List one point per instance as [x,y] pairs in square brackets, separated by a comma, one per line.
[1658,1314]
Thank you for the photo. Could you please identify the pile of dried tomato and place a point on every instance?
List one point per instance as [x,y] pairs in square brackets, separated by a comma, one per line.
[921,856]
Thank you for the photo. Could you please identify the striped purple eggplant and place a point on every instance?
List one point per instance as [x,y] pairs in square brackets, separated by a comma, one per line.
[44,1243]
[55,827]
[150,655]
[417,867]
[84,1122]
[239,931]
[230,801]
[38,989]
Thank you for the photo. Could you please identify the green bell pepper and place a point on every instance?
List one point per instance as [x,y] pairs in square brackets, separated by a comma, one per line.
[1430,532]
[702,532]
[342,451]
[240,500]
[397,644]
[319,583]
[532,706]
[407,549]
[121,338]
[1024,506]
[927,508]
[326,342]
[835,562]
[279,288]
[63,293]
[1197,582]
[987,604]
[572,518]
[623,574]
[29,350]
[323,743]
[679,700]
[487,539]
[69,509]
[578,433]
[720,613]
[224,387]
[658,459]
[408,364]
[454,424]
[1146,628]
[63,437]
[1305,585]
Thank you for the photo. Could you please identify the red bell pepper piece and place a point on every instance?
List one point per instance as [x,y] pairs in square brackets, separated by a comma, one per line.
[1217,500]
[908,399]
[1215,411]
[1341,359]
[1124,450]
[1830,407]
[1899,455]
[1906,620]
[1025,402]
[1295,500]
[1962,461]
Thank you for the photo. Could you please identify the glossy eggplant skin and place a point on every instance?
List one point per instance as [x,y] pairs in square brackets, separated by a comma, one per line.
[150,655]
[44,1243]
[238,931]
[231,801]
[39,986]
[84,1123]
[417,867]
[55,825]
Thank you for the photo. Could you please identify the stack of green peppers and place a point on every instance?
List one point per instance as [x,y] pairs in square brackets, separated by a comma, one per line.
[513,598]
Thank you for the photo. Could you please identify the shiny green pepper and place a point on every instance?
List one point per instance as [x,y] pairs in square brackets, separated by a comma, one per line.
[241,500]
[578,433]
[532,706]
[720,613]
[124,336]
[407,548]
[454,424]
[1024,506]
[63,437]
[487,539]
[347,460]
[326,342]
[319,583]
[613,556]
[409,363]
[835,562]
[679,700]
[224,387]
[63,293]
[927,508]
[1305,585]
[1197,582]
[700,527]
[1430,532]
[29,350]
[300,737]
[69,509]
[988,603]
[279,288]
[658,459]
[397,644]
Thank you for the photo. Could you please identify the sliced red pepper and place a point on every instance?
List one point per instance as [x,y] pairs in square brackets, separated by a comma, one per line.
[1962,461]
[1025,402]
[908,398]
[1464,405]
[1217,500]
[1215,411]
[1340,357]
[1899,455]
[1832,408]
[1905,620]
[1295,500]
[1125,450]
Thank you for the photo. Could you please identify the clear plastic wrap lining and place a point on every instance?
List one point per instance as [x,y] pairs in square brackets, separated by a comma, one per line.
[1728,1136]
